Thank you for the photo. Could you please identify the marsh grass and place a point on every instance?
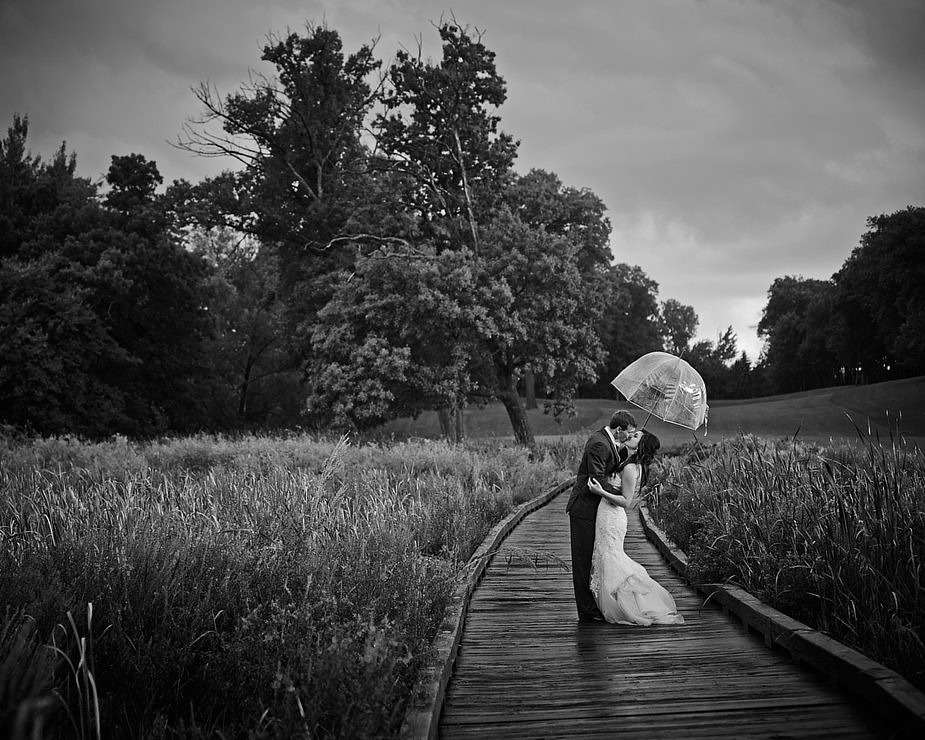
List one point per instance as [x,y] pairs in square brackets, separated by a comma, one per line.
[833,536]
[256,587]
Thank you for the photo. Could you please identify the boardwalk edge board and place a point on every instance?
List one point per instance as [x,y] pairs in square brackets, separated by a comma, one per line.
[422,718]
[880,687]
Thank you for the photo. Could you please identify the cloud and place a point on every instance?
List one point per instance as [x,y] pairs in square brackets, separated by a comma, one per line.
[733,141]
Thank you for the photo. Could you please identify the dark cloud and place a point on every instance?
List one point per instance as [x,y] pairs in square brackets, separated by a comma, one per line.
[734,141]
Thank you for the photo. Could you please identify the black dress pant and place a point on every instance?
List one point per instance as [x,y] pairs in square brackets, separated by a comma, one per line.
[581,533]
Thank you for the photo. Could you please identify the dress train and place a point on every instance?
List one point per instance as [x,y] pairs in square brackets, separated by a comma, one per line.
[623,590]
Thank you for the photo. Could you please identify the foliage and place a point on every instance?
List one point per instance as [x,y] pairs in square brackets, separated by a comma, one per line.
[628,325]
[254,587]
[496,272]
[306,180]
[542,201]
[227,303]
[439,129]
[833,536]
[880,290]
[374,351]
[100,324]
[725,375]
[678,325]
[863,325]
[797,351]
[256,381]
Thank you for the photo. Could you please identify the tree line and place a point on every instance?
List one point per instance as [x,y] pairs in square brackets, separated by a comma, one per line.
[375,255]
[864,325]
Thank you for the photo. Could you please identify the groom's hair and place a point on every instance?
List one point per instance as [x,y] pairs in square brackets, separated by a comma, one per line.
[622,420]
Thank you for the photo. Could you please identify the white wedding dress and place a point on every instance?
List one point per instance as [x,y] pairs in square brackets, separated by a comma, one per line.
[623,590]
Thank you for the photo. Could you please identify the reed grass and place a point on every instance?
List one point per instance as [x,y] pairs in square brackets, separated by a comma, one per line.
[252,587]
[832,535]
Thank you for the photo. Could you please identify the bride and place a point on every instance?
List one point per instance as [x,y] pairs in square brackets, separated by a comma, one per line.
[623,590]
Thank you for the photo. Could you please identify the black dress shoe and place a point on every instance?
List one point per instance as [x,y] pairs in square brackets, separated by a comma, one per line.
[586,620]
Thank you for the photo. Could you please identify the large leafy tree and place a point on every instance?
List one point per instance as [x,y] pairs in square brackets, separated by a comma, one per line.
[100,319]
[578,216]
[880,290]
[713,360]
[629,324]
[678,324]
[550,324]
[256,377]
[798,356]
[155,310]
[305,190]
[398,334]
[475,323]
[55,348]
[439,129]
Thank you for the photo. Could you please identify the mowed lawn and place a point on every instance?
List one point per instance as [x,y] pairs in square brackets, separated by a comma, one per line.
[820,415]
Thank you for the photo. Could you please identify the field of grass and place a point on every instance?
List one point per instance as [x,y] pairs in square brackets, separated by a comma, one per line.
[819,415]
[258,587]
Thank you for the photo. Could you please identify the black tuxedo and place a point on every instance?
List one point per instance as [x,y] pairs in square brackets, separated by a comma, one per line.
[599,460]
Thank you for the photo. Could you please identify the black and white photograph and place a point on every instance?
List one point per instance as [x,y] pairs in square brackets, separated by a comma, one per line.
[408,369]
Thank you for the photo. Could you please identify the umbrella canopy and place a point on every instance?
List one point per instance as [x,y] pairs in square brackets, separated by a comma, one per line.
[667,387]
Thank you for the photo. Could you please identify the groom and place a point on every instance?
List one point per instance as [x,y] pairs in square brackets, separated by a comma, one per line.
[601,456]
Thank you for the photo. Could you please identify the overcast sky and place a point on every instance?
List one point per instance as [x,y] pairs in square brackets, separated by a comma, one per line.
[733,141]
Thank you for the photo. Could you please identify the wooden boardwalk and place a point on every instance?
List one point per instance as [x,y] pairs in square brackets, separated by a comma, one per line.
[527,669]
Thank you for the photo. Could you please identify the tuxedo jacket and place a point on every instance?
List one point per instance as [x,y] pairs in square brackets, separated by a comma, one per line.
[599,460]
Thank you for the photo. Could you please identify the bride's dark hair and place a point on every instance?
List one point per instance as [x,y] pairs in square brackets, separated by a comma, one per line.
[645,454]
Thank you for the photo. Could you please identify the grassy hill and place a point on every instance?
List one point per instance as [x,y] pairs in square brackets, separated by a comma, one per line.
[813,415]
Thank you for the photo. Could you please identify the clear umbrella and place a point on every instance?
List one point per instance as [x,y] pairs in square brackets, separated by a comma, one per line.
[667,387]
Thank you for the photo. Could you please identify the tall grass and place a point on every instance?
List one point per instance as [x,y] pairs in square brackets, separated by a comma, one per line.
[833,536]
[257,587]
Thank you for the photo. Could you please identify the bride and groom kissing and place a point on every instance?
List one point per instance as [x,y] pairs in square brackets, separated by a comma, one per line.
[609,585]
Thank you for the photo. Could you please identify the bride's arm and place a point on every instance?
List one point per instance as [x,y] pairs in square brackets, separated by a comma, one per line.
[612,498]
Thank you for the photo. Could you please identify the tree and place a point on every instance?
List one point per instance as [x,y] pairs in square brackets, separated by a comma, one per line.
[256,378]
[713,362]
[396,336]
[540,200]
[628,327]
[678,325]
[797,357]
[549,324]
[880,292]
[99,305]
[438,129]
[53,345]
[306,189]
[475,323]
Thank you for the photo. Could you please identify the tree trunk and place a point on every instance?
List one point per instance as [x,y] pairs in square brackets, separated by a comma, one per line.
[530,388]
[244,388]
[473,227]
[460,425]
[448,423]
[515,411]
